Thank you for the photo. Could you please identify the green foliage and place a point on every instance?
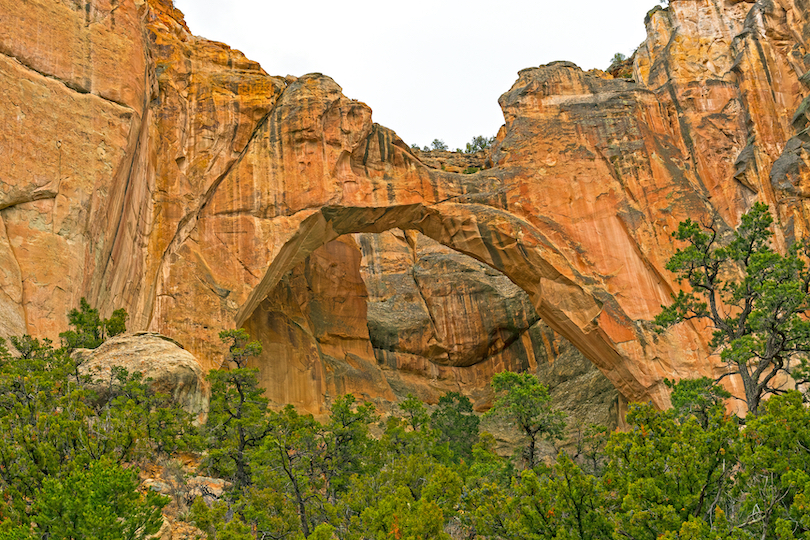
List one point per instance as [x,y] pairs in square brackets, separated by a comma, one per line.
[415,412]
[618,58]
[236,423]
[689,472]
[97,503]
[456,424]
[590,442]
[240,348]
[760,317]
[668,470]
[139,422]
[90,330]
[526,402]
[438,144]
[398,515]
[470,170]
[67,449]
[346,443]
[290,459]
[301,474]
[772,486]
[214,522]
[564,498]
[675,477]
[324,531]
[40,416]
[49,423]
[479,143]
[701,398]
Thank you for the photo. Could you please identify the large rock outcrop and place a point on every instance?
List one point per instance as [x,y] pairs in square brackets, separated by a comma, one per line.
[198,192]
[165,366]
[441,321]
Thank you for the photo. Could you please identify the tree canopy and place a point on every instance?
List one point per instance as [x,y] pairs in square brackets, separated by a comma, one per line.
[525,401]
[755,298]
[69,461]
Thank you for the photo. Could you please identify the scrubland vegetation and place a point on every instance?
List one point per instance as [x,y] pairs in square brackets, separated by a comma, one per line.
[71,446]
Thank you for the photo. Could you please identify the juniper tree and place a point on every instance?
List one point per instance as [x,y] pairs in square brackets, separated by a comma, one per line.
[526,402]
[236,417]
[755,298]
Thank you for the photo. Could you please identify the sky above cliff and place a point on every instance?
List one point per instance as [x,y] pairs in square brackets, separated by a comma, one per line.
[427,68]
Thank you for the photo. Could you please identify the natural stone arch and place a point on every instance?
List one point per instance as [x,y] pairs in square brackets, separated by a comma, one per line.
[581,224]
[208,166]
[499,240]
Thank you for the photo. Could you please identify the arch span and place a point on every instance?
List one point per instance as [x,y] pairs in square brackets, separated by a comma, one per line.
[579,221]
[500,240]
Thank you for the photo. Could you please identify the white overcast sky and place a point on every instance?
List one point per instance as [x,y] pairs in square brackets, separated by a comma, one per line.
[427,68]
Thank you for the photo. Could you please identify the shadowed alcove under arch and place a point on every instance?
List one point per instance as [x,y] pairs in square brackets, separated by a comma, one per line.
[490,236]
[385,315]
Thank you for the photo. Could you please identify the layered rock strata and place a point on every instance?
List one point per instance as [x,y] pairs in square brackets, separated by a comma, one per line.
[441,316]
[456,162]
[146,168]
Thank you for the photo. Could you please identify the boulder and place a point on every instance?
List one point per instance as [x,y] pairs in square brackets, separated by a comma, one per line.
[164,364]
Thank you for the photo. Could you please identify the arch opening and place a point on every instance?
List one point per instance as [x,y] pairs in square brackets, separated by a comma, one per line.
[492,237]
[384,315]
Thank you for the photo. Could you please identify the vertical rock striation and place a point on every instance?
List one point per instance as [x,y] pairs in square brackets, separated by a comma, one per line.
[146,168]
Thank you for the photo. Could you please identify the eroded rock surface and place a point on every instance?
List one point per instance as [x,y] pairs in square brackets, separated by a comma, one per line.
[146,168]
[166,367]
[429,306]
[391,314]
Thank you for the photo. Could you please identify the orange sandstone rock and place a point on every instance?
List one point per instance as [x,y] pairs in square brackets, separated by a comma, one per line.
[196,191]
[164,365]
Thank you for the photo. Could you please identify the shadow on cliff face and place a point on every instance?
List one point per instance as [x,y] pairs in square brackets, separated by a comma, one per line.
[434,336]
[382,315]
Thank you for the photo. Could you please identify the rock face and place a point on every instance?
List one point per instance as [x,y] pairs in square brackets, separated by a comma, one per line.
[168,368]
[396,313]
[196,191]
[453,161]
[441,317]
[429,301]
[314,332]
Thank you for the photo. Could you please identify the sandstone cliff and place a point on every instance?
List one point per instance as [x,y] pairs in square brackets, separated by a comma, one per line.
[146,168]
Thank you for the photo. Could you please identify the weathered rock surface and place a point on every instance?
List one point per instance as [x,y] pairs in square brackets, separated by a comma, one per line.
[191,188]
[426,300]
[167,367]
[314,332]
[455,162]
[403,314]
[432,310]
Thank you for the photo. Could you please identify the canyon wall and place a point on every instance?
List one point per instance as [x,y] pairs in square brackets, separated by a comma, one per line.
[146,168]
